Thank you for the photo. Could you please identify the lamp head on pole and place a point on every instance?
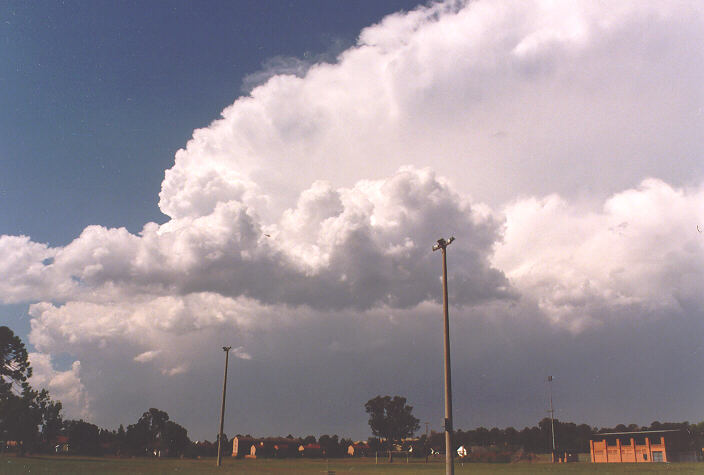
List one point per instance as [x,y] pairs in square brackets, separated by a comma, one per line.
[226,348]
[442,243]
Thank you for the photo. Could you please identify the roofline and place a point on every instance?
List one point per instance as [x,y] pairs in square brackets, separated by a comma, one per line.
[638,432]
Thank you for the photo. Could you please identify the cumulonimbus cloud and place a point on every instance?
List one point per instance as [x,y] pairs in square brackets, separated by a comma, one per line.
[321,192]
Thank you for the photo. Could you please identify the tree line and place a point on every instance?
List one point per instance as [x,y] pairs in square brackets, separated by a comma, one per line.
[569,437]
[392,422]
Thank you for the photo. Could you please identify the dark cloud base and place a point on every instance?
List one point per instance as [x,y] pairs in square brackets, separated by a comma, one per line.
[622,372]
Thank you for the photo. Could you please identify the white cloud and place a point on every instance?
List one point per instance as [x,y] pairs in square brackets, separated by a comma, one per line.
[358,246]
[240,353]
[491,94]
[23,268]
[146,356]
[641,253]
[64,386]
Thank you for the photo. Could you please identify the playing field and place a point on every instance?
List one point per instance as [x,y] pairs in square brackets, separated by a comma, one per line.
[41,464]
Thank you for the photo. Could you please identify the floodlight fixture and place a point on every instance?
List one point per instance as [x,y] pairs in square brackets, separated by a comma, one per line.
[442,243]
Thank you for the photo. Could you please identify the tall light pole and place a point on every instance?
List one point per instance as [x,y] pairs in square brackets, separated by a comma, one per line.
[552,419]
[449,456]
[226,349]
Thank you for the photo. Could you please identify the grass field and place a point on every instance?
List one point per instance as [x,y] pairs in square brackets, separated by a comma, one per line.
[70,465]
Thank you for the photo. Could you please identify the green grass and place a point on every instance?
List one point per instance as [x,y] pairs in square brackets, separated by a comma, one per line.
[63,464]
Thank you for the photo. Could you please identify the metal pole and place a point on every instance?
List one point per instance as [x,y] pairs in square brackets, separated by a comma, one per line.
[552,417]
[226,349]
[449,456]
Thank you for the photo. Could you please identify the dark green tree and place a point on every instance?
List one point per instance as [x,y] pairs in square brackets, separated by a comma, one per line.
[22,409]
[19,420]
[155,432]
[330,445]
[176,438]
[481,436]
[510,436]
[14,363]
[83,437]
[51,420]
[391,418]
[374,444]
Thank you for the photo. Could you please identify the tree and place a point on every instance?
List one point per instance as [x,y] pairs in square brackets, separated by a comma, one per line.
[14,363]
[83,437]
[330,446]
[155,432]
[176,438]
[51,420]
[19,420]
[391,418]
[22,409]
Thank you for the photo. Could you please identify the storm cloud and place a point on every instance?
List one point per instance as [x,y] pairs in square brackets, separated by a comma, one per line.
[560,143]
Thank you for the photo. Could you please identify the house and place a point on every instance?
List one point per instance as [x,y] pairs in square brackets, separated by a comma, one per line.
[310,450]
[241,446]
[268,447]
[61,445]
[12,445]
[358,449]
[675,445]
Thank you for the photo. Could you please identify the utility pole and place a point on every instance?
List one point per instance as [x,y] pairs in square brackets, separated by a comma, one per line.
[449,456]
[226,349]
[552,419]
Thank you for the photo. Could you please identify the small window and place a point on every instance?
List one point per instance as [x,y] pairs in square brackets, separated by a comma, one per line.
[657,456]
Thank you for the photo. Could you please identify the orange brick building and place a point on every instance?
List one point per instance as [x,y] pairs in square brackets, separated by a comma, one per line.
[644,446]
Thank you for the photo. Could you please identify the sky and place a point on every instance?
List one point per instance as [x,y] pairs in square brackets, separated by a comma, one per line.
[179,176]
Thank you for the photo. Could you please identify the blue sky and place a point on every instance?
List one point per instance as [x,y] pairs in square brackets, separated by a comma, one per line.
[97,97]
[179,176]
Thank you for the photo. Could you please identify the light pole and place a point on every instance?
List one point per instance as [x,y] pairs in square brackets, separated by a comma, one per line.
[552,419]
[449,456]
[226,349]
